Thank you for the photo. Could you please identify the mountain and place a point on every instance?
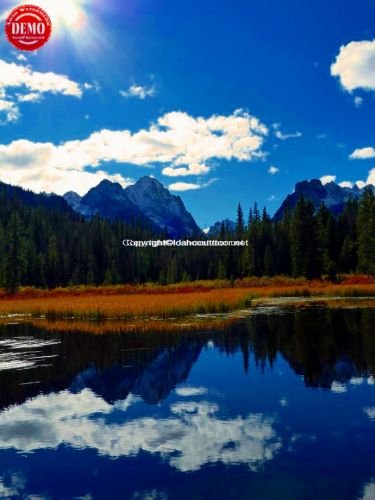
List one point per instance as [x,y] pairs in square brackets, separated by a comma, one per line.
[214,230]
[163,209]
[42,200]
[110,200]
[73,199]
[147,201]
[331,194]
[153,381]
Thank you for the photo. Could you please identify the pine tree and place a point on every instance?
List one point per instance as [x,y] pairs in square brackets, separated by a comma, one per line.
[221,273]
[53,263]
[222,231]
[268,262]
[366,232]
[2,255]
[240,225]
[250,219]
[15,260]
[326,231]
[304,241]
[172,271]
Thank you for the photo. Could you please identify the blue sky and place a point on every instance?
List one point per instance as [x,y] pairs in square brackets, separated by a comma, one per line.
[206,96]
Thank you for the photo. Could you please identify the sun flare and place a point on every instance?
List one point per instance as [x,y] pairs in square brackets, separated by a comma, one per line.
[68,14]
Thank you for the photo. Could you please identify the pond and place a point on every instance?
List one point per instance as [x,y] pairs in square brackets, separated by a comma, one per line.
[279,405]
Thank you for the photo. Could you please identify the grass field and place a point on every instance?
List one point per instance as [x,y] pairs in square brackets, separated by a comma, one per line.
[171,302]
[129,306]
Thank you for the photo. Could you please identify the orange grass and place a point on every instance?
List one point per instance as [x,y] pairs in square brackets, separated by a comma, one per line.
[129,306]
[136,326]
[130,302]
[278,283]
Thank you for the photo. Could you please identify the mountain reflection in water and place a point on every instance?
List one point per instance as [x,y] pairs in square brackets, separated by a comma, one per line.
[227,407]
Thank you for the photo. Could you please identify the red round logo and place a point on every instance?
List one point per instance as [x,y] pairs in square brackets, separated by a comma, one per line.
[28,27]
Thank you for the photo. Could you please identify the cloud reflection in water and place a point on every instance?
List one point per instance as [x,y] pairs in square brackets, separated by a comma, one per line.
[192,436]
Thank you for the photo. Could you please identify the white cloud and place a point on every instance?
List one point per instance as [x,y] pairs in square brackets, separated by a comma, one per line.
[361,184]
[363,153]
[361,380]
[189,186]
[326,179]
[42,167]
[338,388]
[184,186]
[273,170]
[21,57]
[12,486]
[193,169]
[369,491]
[177,139]
[14,75]
[371,177]
[358,101]
[31,97]
[9,111]
[282,136]
[355,65]
[272,197]
[193,434]
[149,495]
[92,86]
[370,412]
[17,78]
[346,184]
[138,91]
[190,391]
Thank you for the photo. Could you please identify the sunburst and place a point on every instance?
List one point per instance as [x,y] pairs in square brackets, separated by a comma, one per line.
[64,14]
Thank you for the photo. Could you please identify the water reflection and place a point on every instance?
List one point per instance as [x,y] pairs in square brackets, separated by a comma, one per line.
[328,348]
[369,491]
[191,435]
[258,400]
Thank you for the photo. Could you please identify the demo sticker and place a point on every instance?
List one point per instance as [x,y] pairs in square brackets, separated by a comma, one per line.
[28,27]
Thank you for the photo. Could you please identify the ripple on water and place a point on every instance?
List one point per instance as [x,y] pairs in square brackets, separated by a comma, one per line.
[24,352]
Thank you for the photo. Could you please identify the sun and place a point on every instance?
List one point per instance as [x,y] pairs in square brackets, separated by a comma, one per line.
[64,13]
[68,14]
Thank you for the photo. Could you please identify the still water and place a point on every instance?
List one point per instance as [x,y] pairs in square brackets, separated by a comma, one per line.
[280,405]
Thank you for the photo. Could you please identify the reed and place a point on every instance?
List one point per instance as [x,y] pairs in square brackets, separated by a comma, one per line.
[172,302]
[129,307]
[135,326]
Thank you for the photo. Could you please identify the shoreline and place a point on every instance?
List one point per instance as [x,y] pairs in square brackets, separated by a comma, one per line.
[204,321]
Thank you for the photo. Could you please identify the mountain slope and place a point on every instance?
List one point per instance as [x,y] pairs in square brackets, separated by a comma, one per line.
[331,194]
[163,209]
[42,200]
[110,200]
[147,201]
[215,229]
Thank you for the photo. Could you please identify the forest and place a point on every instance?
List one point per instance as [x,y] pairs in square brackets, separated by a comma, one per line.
[52,247]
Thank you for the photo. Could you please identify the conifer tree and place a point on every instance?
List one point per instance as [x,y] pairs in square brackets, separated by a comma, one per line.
[15,257]
[240,225]
[366,232]
[304,241]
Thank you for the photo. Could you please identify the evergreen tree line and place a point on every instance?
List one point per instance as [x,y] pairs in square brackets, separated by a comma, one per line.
[310,243]
[49,248]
